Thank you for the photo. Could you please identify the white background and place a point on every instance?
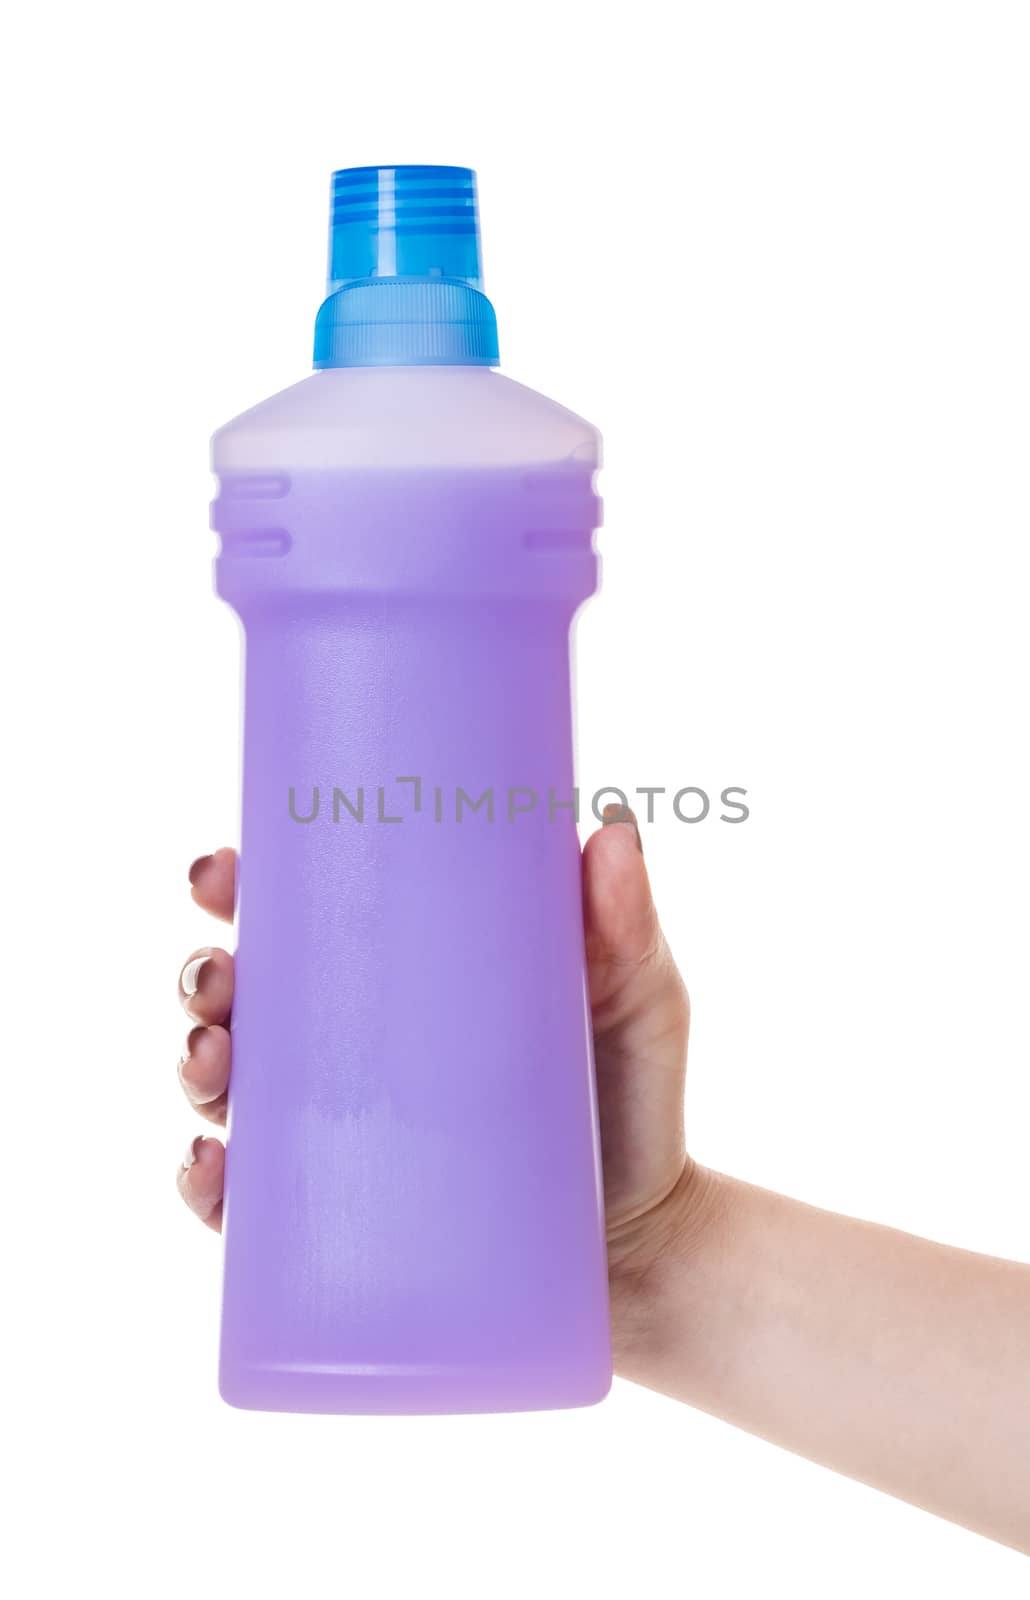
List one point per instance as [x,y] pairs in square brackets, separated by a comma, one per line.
[780,254]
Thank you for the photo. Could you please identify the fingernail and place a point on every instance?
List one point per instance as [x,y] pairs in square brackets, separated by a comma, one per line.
[187,1050]
[190,979]
[198,866]
[190,1158]
[614,814]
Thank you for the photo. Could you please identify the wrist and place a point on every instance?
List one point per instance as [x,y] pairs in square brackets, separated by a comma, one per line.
[651,1256]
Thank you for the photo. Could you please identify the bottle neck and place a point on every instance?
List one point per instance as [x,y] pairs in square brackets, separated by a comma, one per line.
[406,321]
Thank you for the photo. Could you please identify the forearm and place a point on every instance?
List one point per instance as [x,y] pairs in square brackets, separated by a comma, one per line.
[897,1361]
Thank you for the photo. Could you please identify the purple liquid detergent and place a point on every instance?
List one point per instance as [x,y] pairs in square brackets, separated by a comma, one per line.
[413,1215]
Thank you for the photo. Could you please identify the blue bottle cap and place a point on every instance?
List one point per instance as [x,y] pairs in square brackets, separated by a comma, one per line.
[405,271]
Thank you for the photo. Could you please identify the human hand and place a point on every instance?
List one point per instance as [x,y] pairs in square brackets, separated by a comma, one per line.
[897,1361]
[641,1018]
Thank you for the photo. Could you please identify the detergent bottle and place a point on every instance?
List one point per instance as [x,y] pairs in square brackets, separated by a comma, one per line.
[413,1211]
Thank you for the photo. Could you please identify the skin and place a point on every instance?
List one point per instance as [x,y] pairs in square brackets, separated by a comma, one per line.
[891,1359]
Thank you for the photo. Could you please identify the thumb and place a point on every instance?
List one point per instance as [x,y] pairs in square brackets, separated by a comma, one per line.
[620,923]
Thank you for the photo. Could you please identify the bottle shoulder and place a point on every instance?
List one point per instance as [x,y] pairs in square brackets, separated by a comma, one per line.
[404,417]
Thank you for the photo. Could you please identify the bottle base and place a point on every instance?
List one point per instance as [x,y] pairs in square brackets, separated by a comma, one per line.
[407,1390]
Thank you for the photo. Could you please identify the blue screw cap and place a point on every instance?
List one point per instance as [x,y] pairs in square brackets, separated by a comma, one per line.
[405,271]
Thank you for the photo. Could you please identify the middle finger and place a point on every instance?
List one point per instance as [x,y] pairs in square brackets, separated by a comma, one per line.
[205,986]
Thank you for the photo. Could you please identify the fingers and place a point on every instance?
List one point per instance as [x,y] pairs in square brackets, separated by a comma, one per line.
[204,1071]
[200,1180]
[213,883]
[205,985]
[205,992]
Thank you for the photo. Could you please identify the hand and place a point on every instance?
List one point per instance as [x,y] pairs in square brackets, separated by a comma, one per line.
[894,1360]
[641,1017]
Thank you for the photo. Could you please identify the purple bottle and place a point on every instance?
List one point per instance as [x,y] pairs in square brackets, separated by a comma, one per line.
[413,1214]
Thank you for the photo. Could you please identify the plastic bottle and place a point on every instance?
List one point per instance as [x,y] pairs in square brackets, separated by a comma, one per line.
[413,1215]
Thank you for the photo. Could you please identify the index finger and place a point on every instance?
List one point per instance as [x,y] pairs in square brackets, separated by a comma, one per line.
[213,882]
